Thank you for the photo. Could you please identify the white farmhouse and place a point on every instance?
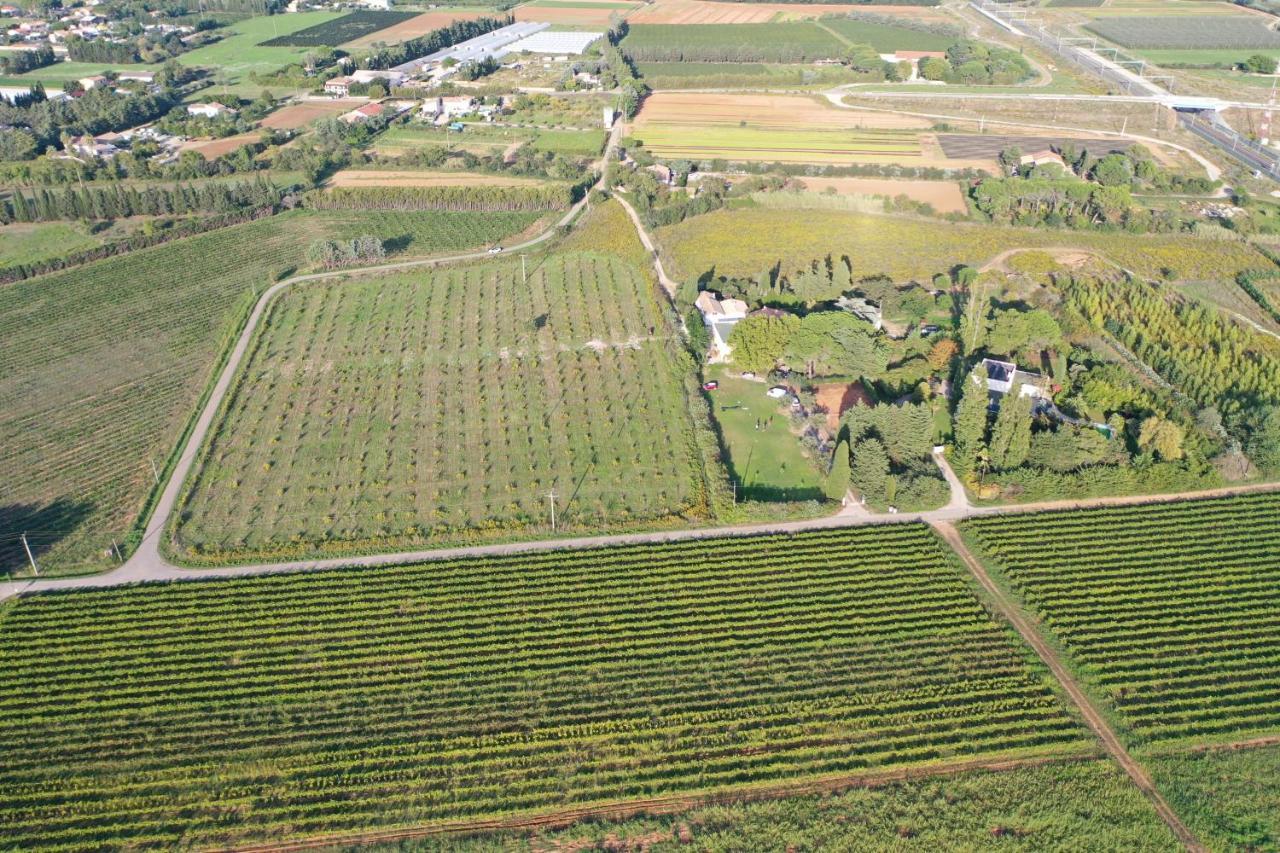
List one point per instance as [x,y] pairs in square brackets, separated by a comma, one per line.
[720,316]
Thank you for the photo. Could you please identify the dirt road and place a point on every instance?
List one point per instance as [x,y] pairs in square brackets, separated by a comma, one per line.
[1013,613]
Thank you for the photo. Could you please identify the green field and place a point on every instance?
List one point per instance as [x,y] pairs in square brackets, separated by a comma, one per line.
[1060,807]
[744,75]
[563,382]
[886,38]
[210,714]
[1214,58]
[241,53]
[101,366]
[23,243]
[351,26]
[747,241]
[773,145]
[1192,32]
[1168,609]
[1230,798]
[764,458]
[53,76]
[802,41]
[575,143]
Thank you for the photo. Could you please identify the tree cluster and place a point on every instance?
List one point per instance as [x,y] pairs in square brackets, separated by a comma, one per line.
[333,254]
[113,202]
[544,197]
[22,61]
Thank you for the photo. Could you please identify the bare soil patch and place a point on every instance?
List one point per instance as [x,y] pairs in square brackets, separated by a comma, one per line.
[945,196]
[784,111]
[414,27]
[213,148]
[407,178]
[838,398]
[302,114]
[585,16]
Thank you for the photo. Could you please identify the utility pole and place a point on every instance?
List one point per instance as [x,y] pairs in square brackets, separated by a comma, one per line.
[26,547]
[116,549]
[524,275]
[551,498]
[154,473]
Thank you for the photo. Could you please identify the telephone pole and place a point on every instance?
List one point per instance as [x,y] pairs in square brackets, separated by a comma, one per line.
[27,547]
[551,498]
[523,275]
[154,473]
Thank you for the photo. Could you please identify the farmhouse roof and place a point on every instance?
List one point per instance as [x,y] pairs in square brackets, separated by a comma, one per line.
[716,309]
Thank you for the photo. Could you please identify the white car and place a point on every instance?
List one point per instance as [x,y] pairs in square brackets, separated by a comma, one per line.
[493,250]
[777,392]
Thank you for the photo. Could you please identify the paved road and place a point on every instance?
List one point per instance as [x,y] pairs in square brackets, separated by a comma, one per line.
[1092,716]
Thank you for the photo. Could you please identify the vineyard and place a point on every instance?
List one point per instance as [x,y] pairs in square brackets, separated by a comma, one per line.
[349,27]
[1187,32]
[1169,609]
[101,365]
[793,42]
[205,714]
[566,381]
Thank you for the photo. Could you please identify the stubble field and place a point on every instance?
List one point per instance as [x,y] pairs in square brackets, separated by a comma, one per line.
[448,404]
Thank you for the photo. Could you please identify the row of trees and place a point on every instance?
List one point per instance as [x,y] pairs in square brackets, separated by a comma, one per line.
[620,72]
[22,61]
[113,202]
[540,197]
[828,342]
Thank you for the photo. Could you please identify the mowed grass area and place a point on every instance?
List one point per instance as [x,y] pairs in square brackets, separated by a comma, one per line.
[240,52]
[25,243]
[1062,806]
[747,241]
[567,381]
[1168,609]
[101,366]
[212,714]
[763,457]
[53,76]
[1230,798]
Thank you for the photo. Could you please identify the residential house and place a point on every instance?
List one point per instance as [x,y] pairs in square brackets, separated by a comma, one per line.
[147,77]
[862,308]
[210,110]
[93,82]
[719,316]
[8,11]
[362,114]
[339,87]
[457,105]
[88,146]
[1003,377]
[1043,157]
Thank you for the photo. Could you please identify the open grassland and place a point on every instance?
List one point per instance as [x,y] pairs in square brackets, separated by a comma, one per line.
[100,366]
[1213,58]
[567,381]
[209,714]
[53,76]
[1229,797]
[241,52]
[1187,32]
[1169,610]
[1060,806]
[886,38]
[26,243]
[801,41]
[747,241]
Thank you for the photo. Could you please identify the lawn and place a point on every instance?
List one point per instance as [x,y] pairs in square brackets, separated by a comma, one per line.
[23,243]
[763,456]
[567,381]
[746,241]
[574,143]
[1167,610]
[241,52]
[217,714]
[101,366]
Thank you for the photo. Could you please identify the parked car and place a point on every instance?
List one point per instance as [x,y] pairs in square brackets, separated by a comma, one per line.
[493,250]
[777,392]
[926,331]
[710,386]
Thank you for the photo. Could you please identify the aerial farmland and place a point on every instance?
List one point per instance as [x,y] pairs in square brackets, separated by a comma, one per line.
[612,425]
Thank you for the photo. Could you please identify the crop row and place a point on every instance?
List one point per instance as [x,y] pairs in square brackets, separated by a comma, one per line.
[1170,608]
[235,711]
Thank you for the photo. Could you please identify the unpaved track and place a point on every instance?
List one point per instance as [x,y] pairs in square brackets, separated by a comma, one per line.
[1013,613]
[665,805]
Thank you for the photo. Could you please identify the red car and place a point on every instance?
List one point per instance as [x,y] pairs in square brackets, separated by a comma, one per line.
[710,386]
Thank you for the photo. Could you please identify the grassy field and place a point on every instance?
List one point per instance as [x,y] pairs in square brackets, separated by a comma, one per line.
[213,714]
[1187,32]
[23,243]
[575,143]
[747,241]
[241,53]
[1066,806]
[53,76]
[1210,57]
[100,367]
[1230,798]
[886,38]
[563,382]
[764,458]
[1168,610]
[350,27]
[791,42]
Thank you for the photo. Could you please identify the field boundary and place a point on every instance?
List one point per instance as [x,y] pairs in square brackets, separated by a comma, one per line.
[1009,610]
[675,802]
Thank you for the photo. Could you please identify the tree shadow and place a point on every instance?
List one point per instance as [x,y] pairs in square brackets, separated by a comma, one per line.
[44,526]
